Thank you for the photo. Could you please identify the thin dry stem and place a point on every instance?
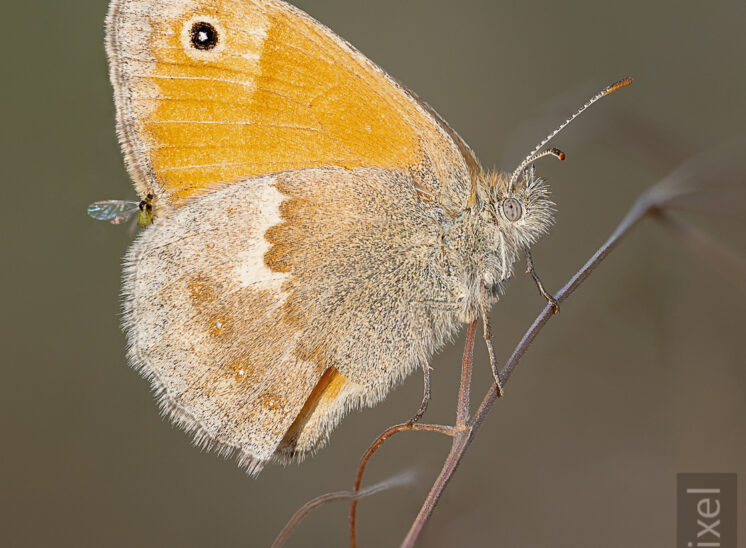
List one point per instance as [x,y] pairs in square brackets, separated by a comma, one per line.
[642,207]
[461,438]
[397,481]
[461,443]
[389,432]
[464,390]
[667,192]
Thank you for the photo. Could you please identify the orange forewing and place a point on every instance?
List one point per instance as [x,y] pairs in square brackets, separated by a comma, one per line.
[280,93]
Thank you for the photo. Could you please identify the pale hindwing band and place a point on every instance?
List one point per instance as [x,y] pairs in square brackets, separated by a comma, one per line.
[201,311]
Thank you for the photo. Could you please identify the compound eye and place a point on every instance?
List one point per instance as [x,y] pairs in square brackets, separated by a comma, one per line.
[204,36]
[512,209]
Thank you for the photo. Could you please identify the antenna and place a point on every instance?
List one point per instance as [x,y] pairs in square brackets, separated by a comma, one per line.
[557,153]
[535,154]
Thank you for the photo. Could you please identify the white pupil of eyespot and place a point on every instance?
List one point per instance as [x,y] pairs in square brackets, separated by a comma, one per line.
[202,36]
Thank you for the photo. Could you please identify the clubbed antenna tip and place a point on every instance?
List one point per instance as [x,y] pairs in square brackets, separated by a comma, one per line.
[535,154]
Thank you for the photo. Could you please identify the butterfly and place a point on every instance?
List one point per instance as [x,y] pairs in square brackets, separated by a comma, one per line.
[318,233]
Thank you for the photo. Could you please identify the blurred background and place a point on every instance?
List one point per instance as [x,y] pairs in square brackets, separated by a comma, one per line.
[641,376]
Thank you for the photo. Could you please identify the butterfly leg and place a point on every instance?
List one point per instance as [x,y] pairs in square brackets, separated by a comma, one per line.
[491,351]
[425,374]
[436,305]
[535,276]
[426,395]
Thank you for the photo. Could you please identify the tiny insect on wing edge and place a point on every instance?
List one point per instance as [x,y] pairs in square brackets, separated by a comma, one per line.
[113,211]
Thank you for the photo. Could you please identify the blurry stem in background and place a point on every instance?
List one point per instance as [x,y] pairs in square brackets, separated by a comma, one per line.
[688,182]
[720,258]
[397,481]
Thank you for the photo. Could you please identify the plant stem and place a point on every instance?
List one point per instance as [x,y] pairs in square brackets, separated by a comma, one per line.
[389,432]
[461,440]
[463,436]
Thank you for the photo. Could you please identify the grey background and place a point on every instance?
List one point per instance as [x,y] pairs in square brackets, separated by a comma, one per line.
[640,377]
